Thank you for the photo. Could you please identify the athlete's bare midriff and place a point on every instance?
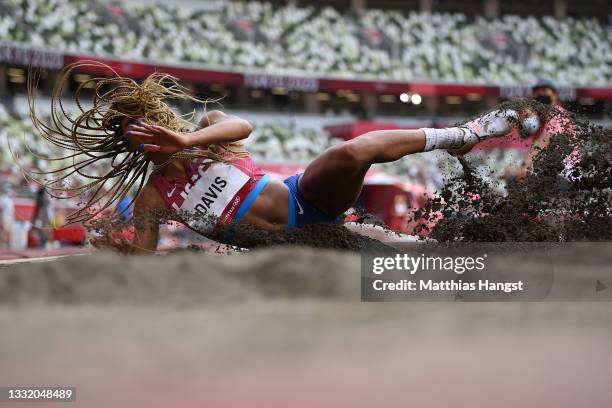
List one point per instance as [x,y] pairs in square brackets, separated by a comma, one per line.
[269,210]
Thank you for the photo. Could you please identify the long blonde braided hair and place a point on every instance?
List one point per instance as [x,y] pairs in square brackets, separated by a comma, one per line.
[94,135]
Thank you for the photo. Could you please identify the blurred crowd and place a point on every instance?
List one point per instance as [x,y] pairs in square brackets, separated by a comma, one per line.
[293,39]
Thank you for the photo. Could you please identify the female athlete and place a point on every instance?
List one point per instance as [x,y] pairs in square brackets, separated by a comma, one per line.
[206,170]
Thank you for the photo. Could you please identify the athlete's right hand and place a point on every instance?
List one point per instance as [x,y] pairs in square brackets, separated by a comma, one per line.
[153,138]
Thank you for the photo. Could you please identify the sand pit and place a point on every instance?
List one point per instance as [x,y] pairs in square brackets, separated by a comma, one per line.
[186,278]
[285,327]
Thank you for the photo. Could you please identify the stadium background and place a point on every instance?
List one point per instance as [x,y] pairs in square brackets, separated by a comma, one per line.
[307,74]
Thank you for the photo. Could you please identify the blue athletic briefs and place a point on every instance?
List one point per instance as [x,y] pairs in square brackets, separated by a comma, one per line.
[301,211]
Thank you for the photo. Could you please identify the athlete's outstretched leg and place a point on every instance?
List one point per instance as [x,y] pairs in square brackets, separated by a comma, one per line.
[333,181]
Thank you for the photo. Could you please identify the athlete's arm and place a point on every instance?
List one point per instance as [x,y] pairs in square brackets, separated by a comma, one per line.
[222,128]
[146,226]
[210,118]
[219,128]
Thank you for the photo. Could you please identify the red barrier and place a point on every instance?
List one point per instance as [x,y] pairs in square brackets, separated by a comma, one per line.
[71,234]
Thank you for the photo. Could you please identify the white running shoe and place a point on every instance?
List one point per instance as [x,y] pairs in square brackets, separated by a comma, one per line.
[496,123]
[493,124]
[530,124]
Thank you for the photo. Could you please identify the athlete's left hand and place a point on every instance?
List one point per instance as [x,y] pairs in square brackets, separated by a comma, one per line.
[153,138]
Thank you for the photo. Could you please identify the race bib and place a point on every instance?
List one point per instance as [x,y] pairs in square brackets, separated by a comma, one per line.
[210,191]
